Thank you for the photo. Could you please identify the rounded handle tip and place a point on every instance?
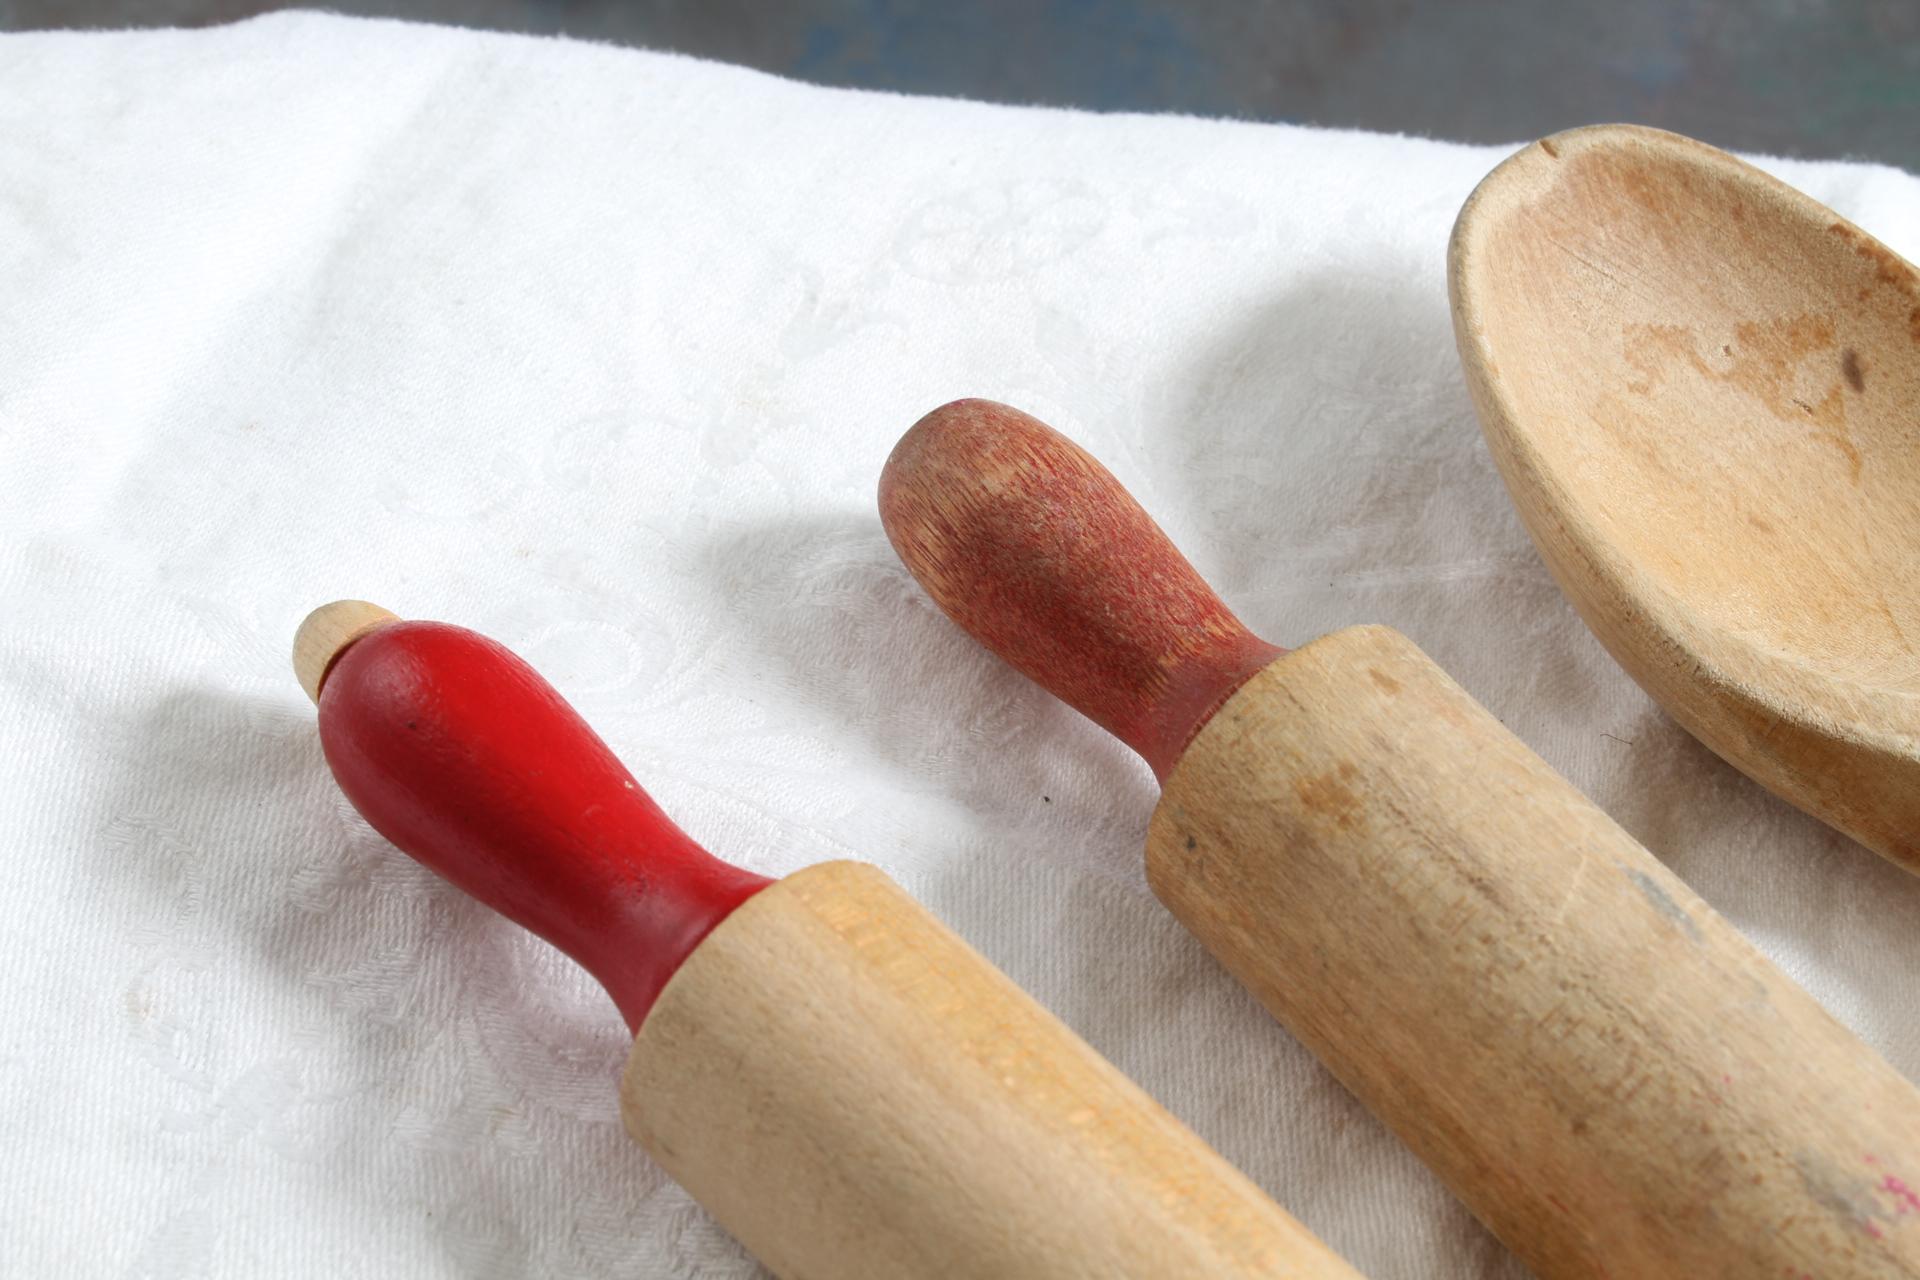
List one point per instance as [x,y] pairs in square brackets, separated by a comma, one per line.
[461,754]
[324,635]
[1033,547]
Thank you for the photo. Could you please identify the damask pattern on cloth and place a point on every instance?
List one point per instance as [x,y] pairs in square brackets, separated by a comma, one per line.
[600,352]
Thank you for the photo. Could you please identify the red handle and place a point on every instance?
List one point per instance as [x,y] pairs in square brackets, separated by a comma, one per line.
[459,753]
[1033,547]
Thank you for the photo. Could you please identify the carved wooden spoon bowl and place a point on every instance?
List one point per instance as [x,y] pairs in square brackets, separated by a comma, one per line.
[1703,390]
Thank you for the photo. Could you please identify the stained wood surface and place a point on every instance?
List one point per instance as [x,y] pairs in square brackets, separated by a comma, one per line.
[857,1095]
[1601,1067]
[1025,540]
[1700,386]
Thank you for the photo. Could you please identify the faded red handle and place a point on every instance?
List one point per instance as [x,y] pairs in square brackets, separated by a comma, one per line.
[459,753]
[1033,547]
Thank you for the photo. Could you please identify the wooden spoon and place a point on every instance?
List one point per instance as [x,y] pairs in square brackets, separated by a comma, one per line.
[1703,390]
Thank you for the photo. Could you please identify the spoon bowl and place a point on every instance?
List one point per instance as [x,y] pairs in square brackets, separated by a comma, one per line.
[1702,388]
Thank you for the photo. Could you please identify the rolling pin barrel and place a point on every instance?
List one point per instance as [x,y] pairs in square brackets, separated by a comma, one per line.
[1613,1079]
[845,1085]
[963,1131]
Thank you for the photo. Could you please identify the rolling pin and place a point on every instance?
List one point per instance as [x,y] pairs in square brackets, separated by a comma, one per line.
[1613,1079]
[840,1080]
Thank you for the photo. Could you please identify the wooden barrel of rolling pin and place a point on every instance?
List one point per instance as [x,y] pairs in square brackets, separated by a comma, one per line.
[1604,1070]
[852,1091]
[843,1083]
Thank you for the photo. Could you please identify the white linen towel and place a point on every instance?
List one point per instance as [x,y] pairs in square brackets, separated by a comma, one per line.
[600,352]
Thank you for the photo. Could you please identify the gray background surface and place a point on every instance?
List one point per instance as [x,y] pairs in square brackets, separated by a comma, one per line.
[1825,78]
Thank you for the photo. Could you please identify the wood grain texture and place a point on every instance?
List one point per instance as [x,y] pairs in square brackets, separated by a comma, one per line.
[857,1095]
[1032,546]
[1700,387]
[1614,1080]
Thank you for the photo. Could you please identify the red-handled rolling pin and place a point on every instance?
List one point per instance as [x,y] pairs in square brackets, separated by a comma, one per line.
[1608,1074]
[841,1081]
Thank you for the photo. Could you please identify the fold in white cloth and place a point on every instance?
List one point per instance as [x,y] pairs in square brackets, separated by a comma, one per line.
[600,352]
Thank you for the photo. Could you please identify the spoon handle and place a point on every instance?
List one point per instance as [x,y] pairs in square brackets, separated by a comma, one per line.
[1613,1079]
[841,1081]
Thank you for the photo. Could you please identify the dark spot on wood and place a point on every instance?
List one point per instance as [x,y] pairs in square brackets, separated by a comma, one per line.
[1663,902]
[1330,797]
[1191,842]
[1384,680]
[1546,145]
[1848,1197]
[1758,523]
[1046,799]
[413,724]
[1850,367]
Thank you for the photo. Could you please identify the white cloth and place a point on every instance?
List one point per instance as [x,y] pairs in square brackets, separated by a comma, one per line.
[600,352]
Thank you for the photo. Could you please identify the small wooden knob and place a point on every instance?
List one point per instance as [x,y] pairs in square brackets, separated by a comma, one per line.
[1033,547]
[325,633]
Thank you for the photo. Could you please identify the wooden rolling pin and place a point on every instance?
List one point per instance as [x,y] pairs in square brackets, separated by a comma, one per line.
[1609,1075]
[843,1083]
